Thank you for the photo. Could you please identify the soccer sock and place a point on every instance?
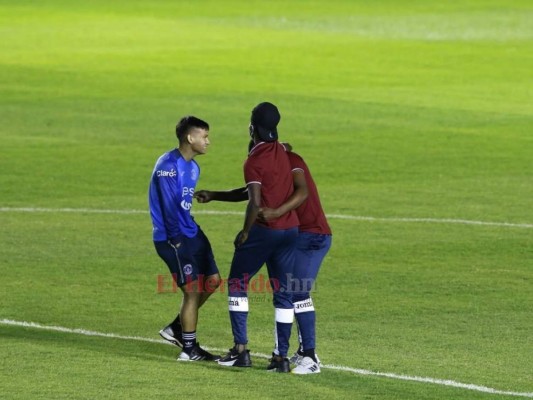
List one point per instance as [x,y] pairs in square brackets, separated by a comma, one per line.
[310,353]
[189,341]
[176,324]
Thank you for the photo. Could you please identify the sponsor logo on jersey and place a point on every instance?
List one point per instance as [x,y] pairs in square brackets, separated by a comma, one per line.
[187,191]
[186,205]
[187,269]
[194,175]
[162,173]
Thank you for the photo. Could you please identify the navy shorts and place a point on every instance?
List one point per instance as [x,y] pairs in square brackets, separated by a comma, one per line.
[191,259]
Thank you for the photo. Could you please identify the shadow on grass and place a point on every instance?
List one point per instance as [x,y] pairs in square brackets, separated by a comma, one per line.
[119,347]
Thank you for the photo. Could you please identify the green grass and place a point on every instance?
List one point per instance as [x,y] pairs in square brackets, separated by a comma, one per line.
[402,109]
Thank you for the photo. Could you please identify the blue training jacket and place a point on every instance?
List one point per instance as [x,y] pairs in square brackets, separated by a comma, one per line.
[170,196]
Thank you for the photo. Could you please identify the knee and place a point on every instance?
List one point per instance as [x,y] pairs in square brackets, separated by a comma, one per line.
[212,283]
[282,300]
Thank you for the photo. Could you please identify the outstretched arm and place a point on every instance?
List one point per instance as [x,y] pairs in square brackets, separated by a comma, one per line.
[252,211]
[205,196]
[294,201]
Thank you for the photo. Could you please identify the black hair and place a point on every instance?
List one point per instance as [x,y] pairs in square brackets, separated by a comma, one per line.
[187,123]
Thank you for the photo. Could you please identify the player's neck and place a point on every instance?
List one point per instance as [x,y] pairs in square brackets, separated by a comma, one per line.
[186,152]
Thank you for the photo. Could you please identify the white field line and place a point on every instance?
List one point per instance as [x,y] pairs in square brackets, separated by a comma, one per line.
[442,382]
[212,212]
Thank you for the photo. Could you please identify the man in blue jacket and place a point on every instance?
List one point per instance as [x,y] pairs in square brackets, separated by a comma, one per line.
[178,240]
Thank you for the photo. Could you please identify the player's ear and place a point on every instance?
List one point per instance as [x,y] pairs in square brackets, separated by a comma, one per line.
[189,139]
[251,130]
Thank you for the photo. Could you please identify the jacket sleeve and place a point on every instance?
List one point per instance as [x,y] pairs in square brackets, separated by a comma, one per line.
[169,188]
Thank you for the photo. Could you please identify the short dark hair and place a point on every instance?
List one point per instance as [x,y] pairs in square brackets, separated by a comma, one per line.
[187,123]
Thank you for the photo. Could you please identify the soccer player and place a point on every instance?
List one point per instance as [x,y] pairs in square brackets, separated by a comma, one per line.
[313,243]
[178,240]
[268,178]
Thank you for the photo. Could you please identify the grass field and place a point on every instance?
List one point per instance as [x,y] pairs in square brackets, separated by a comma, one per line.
[416,119]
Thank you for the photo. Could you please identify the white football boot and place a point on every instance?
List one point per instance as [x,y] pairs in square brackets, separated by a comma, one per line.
[306,365]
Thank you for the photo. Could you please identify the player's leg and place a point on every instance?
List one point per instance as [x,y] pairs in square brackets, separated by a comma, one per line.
[210,285]
[207,283]
[186,272]
[172,332]
[167,252]
[247,260]
[196,261]
[311,250]
[280,266]
[189,317]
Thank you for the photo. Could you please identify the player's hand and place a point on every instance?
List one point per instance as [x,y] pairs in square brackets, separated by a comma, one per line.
[267,214]
[203,196]
[242,236]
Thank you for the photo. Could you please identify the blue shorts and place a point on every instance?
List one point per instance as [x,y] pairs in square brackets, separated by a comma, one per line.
[190,260]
